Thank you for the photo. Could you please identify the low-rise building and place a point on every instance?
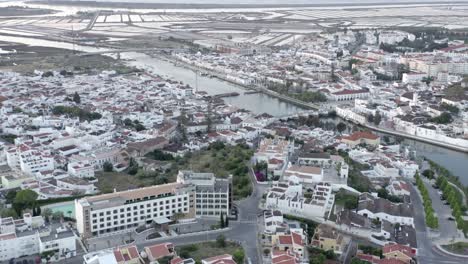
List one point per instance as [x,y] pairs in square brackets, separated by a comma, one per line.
[31,235]
[361,137]
[382,209]
[328,238]
[288,198]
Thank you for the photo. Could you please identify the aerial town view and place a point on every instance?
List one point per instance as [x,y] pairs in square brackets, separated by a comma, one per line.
[234,132]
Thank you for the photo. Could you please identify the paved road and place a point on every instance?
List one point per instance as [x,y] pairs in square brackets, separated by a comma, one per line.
[426,251]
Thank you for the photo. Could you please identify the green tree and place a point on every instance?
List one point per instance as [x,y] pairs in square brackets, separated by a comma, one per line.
[239,256]
[221,241]
[444,118]
[24,199]
[57,215]
[165,260]
[107,166]
[377,118]
[318,259]
[221,220]
[132,166]
[76,98]
[370,118]
[46,213]
[341,127]
[358,261]
[8,212]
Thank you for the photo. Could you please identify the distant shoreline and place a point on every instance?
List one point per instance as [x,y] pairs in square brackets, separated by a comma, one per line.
[143,5]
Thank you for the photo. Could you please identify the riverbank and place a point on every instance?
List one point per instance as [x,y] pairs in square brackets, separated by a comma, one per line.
[308,105]
[405,135]
[255,88]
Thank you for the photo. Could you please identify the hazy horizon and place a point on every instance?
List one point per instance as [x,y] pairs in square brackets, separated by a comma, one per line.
[273,2]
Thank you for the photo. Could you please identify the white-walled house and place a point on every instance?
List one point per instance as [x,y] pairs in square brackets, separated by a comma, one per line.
[382,209]
[80,169]
[288,198]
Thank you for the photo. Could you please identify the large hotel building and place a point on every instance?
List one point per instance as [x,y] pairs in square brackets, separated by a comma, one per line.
[193,195]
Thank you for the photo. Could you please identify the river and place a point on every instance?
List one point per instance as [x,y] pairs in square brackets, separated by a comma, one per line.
[454,161]
[256,103]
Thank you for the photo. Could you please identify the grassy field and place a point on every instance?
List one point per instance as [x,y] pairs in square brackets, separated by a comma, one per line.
[457,248]
[120,181]
[223,160]
[206,250]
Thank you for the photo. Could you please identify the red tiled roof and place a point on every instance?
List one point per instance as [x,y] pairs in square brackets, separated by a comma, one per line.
[221,259]
[297,239]
[160,250]
[126,253]
[177,260]
[408,251]
[361,134]
[350,92]
[7,236]
[285,240]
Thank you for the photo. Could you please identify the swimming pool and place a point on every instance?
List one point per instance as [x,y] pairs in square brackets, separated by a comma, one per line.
[67,208]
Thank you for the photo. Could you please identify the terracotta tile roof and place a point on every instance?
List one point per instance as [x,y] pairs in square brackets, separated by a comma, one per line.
[361,134]
[285,240]
[221,259]
[350,92]
[408,251]
[297,239]
[160,250]
[126,254]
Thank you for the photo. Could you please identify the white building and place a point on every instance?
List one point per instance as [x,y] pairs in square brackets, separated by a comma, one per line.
[399,188]
[213,195]
[288,198]
[30,236]
[116,211]
[382,209]
[305,174]
[80,169]
[32,161]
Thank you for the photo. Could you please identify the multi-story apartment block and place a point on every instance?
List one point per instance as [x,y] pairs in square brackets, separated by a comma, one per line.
[28,159]
[116,211]
[33,161]
[193,195]
[213,195]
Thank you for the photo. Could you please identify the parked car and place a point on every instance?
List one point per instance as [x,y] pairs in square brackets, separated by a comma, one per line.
[450,218]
